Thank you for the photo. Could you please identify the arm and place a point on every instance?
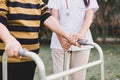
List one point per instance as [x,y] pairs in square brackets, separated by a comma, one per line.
[54,25]
[64,42]
[87,22]
[55,13]
[11,44]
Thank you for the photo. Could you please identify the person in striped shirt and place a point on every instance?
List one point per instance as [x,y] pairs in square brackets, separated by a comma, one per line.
[19,27]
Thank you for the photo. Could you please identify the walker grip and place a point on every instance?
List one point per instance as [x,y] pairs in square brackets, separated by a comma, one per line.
[82,42]
[21,52]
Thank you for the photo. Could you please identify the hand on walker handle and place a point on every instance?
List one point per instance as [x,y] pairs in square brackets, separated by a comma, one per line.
[21,52]
[76,40]
[64,42]
[82,42]
[77,37]
[12,47]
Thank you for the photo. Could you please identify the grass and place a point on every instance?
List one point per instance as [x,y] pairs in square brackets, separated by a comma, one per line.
[111,57]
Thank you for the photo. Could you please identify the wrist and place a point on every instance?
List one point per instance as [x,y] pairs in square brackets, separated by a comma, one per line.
[68,37]
[82,36]
[9,39]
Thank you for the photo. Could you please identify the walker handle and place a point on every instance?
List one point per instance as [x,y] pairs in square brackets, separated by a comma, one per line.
[82,42]
[21,52]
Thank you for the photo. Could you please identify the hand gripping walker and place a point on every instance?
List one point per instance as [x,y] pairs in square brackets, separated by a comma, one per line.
[65,73]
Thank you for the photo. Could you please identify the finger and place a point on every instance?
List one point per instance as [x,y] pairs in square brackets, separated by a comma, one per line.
[76,37]
[20,57]
[81,37]
[66,47]
[16,53]
[9,51]
[78,45]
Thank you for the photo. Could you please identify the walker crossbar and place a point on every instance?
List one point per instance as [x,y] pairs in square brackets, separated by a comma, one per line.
[41,67]
[74,70]
[91,64]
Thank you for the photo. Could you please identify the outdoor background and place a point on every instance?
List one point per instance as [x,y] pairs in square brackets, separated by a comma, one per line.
[106,32]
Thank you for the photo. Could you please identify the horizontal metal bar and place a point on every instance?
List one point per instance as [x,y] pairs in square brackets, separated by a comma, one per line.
[68,72]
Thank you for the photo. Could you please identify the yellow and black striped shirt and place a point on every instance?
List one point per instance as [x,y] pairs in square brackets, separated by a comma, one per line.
[22,18]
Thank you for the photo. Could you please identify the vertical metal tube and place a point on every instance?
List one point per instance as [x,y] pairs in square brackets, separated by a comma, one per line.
[4,66]
[66,63]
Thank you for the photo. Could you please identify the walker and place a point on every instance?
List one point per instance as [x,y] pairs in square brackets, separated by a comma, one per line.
[63,74]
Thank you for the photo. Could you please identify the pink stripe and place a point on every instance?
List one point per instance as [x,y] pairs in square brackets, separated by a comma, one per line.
[66,4]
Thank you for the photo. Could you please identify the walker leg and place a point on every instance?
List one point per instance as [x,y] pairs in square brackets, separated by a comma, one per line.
[66,64]
[102,71]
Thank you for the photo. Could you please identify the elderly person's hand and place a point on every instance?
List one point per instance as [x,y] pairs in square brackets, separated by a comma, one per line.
[72,40]
[12,47]
[64,43]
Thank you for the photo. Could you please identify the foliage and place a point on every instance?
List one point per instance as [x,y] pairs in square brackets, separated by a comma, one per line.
[45,35]
[107,21]
[109,1]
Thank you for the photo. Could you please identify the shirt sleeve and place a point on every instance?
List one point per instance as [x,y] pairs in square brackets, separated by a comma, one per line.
[53,4]
[45,13]
[3,12]
[94,5]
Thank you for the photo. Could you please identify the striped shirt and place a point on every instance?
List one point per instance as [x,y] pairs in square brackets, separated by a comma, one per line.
[23,18]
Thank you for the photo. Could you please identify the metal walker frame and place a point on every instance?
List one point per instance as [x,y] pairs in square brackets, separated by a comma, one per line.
[41,66]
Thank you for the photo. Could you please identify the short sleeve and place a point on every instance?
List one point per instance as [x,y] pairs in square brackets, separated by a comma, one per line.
[94,5]
[53,4]
[45,13]
[3,12]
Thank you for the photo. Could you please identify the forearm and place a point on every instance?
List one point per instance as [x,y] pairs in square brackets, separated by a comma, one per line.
[4,34]
[87,22]
[12,46]
[54,25]
[55,14]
